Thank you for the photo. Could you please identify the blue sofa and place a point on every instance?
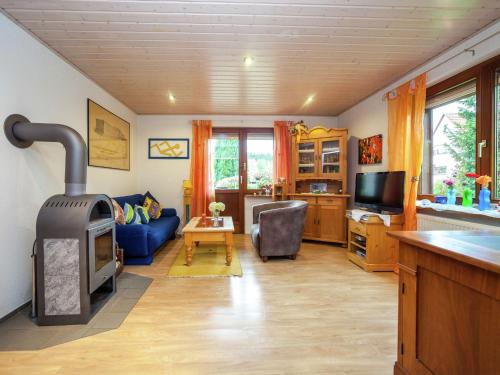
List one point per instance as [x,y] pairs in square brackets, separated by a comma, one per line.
[140,241]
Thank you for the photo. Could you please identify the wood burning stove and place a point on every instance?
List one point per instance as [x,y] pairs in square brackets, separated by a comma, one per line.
[75,256]
[75,261]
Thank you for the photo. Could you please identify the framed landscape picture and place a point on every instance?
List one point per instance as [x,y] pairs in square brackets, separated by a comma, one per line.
[370,150]
[108,138]
[168,148]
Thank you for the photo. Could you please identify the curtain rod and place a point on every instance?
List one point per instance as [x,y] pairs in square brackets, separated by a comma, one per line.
[469,49]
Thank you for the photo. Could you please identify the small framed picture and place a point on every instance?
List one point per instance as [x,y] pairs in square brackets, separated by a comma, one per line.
[318,187]
[168,148]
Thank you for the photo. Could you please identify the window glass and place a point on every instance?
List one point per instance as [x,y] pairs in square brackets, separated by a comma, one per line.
[451,140]
[225,156]
[260,149]
[497,148]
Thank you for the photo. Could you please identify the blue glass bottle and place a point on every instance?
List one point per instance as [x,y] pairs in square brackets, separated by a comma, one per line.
[451,196]
[484,199]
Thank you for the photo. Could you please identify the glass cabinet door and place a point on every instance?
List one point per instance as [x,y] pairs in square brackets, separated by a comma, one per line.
[307,158]
[330,157]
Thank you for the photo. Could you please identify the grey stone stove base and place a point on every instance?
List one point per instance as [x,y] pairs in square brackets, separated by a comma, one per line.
[20,332]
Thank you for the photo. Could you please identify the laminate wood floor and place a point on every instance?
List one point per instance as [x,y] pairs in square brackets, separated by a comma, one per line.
[319,314]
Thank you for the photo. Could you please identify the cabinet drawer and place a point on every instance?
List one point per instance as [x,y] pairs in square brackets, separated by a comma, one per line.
[356,227]
[330,201]
[310,200]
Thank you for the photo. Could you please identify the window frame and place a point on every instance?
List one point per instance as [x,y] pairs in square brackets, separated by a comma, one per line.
[484,74]
[243,168]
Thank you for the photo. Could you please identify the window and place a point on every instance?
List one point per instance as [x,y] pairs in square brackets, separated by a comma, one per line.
[451,122]
[260,149]
[242,159]
[225,151]
[462,130]
[497,146]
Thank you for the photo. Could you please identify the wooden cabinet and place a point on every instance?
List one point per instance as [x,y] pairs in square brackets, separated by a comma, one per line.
[370,247]
[449,304]
[331,222]
[325,220]
[319,157]
[310,228]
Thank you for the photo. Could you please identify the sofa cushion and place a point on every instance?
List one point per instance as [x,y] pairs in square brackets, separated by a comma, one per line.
[130,199]
[133,239]
[143,214]
[168,212]
[161,230]
[254,232]
[119,215]
[153,207]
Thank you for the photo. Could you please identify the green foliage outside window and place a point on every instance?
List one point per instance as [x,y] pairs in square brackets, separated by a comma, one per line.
[226,163]
[462,146]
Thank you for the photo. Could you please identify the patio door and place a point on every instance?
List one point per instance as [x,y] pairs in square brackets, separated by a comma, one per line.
[242,163]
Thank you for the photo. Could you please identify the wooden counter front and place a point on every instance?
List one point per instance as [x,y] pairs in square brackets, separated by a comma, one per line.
[449,303]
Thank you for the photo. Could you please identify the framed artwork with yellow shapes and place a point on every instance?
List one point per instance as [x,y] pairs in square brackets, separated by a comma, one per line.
[168,148]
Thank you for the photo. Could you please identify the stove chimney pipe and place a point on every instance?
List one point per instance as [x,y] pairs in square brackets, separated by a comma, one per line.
[22,133]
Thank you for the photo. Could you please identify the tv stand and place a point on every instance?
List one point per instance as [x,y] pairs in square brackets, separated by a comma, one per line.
[369,247]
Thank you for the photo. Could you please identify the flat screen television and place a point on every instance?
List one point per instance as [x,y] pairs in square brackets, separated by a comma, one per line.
[380,191]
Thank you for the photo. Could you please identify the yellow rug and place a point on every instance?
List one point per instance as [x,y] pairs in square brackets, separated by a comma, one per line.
[208,261]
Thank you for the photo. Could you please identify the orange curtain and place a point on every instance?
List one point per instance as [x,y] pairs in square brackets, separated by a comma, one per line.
[200,167]
[282,151]
[406,106]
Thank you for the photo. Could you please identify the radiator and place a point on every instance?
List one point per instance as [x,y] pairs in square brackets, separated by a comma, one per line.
[428,222]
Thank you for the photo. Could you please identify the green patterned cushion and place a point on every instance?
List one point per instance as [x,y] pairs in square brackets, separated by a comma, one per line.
[142,212]
[131,217]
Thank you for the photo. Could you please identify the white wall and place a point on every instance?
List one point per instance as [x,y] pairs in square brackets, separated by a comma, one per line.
[164,177]
[369,117]
[38,84]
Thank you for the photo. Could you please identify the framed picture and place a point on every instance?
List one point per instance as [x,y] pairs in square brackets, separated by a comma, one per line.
[370,150]
[168,148]
[108,138]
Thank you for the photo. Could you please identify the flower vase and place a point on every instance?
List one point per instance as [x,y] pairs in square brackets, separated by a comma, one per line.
[216,218]
[467,197]
[484,199]
[451,196]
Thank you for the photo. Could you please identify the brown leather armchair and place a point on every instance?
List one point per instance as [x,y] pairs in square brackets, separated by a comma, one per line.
[277,228]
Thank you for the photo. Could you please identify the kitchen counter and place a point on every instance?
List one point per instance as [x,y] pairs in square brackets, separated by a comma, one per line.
[477,248]
[449,302]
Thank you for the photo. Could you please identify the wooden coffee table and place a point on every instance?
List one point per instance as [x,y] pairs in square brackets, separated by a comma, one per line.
[194,234]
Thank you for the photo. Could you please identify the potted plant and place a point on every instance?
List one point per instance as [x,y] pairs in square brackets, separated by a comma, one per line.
[216,208]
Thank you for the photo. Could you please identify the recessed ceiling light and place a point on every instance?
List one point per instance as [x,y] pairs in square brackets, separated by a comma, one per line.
[171,97]
[309,99]
[248,60]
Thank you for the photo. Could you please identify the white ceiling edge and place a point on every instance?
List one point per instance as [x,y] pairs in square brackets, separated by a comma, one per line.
[481,42]
[490,31]
[58,55]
